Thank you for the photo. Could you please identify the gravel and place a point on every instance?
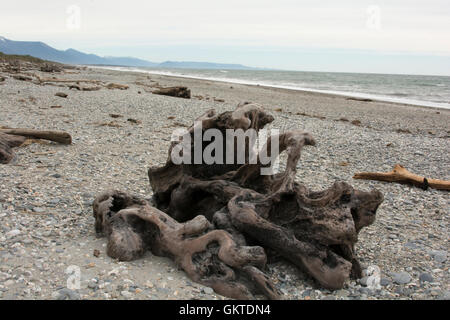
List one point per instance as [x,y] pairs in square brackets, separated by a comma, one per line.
[47,235]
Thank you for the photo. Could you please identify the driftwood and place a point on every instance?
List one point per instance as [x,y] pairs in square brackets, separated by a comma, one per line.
[7,142]
[179,92]
[42,80]
[10,138]
[90,88]
[22,77]
[56,136]
[48,67]
[219,222]
[400,175]
[208,256]
[61,94]
[117,86]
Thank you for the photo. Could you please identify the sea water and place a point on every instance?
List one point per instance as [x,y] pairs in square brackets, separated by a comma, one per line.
[430,91]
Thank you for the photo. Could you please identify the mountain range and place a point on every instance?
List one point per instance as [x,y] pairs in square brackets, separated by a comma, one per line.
[71,56]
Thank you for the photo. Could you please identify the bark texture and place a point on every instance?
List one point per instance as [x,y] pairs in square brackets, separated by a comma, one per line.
[219,221]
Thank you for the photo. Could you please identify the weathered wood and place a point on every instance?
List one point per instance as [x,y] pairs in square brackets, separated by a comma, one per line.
[42,80]
[7,142]
[56,136]
[206,216]
[179,92]
[401,175]
[208,256]
[117,86]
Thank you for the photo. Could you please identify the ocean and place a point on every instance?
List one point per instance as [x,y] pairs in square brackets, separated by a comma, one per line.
[429,91]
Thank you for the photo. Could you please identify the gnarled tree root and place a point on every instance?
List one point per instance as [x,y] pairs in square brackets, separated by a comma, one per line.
[208,256]
[225,207]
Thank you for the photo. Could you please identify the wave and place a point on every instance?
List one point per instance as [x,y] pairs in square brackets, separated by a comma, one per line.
[396,97]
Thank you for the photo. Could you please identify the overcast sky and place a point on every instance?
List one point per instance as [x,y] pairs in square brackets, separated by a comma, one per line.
[396,36]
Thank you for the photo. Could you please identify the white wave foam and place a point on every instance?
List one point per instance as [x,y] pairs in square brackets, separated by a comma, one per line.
[290,87]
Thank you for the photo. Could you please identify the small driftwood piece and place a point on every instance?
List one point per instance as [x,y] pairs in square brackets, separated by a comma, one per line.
[179,92]
[56,136]
[219,222]
[401,175]
[117,86]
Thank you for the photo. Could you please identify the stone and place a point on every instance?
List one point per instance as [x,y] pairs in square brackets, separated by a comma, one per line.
[9,282]
[126,294]
[208,290]
[385,282]
[445,296]
[342,293]
[67,294]
[93,284]
[13,233]
[439,256]
[401,277]
[411,245]
[426,277]
[363,281]
[365,291]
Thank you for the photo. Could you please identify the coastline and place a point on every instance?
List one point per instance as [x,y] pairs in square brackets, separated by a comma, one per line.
[46,192]
[379,115]
[357,95]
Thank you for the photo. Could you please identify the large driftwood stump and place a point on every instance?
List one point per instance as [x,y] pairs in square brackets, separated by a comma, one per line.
[219,221]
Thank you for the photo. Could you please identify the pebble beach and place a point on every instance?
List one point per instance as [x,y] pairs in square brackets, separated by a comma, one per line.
[46,192]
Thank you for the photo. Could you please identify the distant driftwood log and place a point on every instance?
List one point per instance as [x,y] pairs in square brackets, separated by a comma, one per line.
[179,92]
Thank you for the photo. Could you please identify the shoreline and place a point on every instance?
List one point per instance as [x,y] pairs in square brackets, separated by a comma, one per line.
[343,94]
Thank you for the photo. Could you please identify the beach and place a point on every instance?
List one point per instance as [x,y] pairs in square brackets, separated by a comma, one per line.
[46,192]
